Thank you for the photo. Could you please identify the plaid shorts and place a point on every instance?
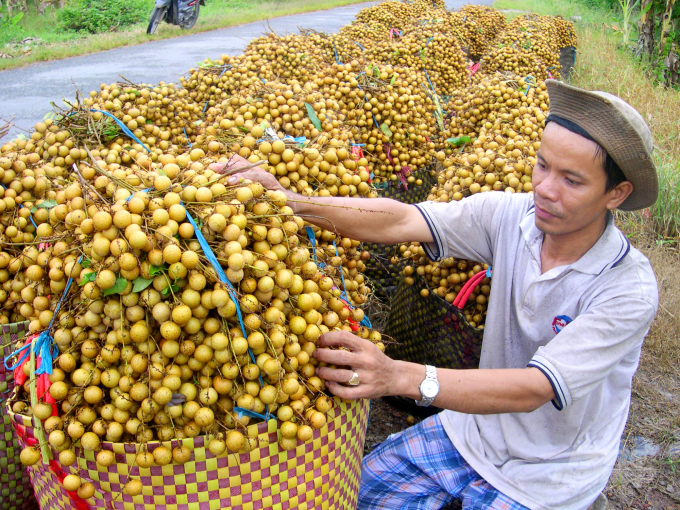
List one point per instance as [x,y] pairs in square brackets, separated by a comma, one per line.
[420,468]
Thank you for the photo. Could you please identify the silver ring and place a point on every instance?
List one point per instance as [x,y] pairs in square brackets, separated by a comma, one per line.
[354,381]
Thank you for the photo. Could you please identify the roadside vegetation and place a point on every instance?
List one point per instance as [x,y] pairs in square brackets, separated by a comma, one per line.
[647,474]
[89,26]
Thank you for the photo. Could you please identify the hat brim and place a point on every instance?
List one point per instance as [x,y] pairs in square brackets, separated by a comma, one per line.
[610,127]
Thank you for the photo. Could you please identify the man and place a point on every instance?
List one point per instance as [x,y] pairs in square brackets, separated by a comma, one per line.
[538,424]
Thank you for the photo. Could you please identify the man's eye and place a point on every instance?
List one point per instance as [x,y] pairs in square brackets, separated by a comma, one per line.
[571,182]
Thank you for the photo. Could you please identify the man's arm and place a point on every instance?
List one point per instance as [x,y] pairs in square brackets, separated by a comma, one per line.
[490,391]
[377,220]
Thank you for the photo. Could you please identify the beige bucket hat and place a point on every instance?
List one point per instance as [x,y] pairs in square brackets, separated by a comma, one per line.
[619,129]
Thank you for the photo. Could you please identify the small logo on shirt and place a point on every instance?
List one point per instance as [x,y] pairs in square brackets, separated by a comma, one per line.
[560,322]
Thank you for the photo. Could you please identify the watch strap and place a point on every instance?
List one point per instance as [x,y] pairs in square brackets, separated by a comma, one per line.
[430,374]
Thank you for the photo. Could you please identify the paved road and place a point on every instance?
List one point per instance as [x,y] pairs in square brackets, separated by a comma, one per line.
[26,93]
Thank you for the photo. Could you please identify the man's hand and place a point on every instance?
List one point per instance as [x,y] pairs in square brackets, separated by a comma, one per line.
[375,369]
[255,174]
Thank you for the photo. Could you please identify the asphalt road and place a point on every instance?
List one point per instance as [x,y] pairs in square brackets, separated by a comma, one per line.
[26,93]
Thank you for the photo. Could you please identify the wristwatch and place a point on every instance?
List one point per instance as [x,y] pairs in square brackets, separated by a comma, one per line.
[429,388]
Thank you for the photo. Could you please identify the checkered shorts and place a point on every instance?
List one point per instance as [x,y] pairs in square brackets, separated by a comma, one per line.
[420,468]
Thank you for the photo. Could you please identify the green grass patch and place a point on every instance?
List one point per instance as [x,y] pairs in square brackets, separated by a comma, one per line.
[56,43]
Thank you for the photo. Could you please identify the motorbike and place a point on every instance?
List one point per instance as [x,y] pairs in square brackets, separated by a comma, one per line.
[183,13]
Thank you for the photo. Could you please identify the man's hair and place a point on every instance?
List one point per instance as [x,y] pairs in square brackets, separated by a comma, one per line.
[614,174]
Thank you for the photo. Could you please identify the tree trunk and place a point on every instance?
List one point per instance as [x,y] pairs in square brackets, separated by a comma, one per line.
[666,26]
[646,29]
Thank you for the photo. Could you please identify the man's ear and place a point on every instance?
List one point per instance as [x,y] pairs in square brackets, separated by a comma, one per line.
[619,194]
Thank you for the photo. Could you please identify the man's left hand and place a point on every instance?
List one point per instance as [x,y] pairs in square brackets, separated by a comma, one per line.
[375,369]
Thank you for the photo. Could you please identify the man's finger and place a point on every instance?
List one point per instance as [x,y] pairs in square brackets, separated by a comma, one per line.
[234,163]
[339,375]
[335,357]
[346,392]
[340,339]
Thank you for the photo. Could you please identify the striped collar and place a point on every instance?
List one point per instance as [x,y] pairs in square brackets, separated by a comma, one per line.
[608,252]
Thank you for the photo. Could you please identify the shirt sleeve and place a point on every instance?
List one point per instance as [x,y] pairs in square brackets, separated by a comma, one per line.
[586,351]
[462,229]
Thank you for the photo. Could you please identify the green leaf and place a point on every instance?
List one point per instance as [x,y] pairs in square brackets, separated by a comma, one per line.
[33,209]
[16,19]
[386,130]
[156,270]
[394,78]
[47,204]
[376,71]
[460,140]
[166,290]
[118,287]
[86,263]
[139,284]
[89,277]
[161,172]
[312,116]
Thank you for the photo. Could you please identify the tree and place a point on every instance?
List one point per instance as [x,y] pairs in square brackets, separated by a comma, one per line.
[666,25]
[646,29]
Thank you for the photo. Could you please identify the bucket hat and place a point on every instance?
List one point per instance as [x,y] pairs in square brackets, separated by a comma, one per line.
[619,129]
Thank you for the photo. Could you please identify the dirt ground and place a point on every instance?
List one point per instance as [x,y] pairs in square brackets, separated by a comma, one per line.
[647,473]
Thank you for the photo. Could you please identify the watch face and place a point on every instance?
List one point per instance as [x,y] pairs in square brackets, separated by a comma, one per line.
[429,389]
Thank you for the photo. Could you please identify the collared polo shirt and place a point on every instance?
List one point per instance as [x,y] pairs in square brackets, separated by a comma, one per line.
[582,325]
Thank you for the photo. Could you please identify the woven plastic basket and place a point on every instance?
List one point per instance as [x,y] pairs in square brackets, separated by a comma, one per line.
[383,275]
[16,492]
[323,473]
[414,194]
[429,331]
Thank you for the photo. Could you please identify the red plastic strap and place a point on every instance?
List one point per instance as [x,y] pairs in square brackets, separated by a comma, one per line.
[467,289]
[403,174]
[473,68]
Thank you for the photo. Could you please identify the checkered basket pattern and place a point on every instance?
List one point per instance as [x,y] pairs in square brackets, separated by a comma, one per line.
[321,474]
[430,331]
[16,492]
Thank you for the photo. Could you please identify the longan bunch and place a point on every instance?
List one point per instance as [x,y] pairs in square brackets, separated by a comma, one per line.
[506,126]
[527,47]
[425,48]
[150,344]
[478,25]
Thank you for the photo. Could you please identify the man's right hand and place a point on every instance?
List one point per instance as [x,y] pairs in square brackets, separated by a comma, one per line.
[254,174]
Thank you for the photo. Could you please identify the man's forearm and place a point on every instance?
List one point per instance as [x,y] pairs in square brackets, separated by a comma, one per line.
[490,391]
[378,220]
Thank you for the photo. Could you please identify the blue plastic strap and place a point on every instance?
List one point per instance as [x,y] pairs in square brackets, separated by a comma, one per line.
[336,55]
[143,191]
[188,141]
[207,251]
[301,140]
[489,272]
[205,107]
[312,241]
[252,414]
[16,353]
[428,41]
[123,127]
[429,81]
[360,46]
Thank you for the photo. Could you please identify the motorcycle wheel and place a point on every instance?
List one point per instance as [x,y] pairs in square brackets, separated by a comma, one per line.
[194,17]
[156,17]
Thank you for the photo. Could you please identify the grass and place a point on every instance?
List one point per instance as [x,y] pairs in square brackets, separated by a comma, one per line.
[602,65]
[58,44]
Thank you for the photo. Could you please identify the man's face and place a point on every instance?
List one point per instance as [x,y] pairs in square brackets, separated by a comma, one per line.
[569,183]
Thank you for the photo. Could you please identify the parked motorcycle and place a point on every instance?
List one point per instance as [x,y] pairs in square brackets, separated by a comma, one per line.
[183,13]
